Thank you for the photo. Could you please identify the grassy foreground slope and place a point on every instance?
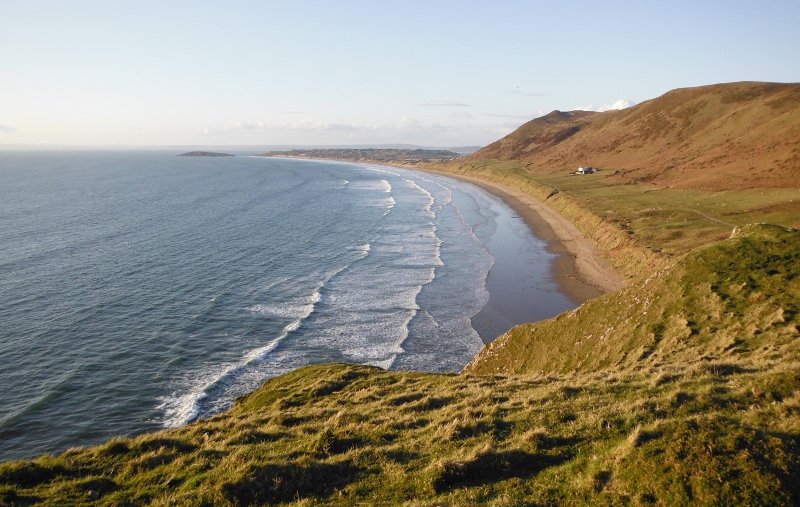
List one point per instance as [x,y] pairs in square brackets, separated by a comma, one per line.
[681,389]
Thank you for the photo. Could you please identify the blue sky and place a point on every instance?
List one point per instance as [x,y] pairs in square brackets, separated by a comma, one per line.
[434,73]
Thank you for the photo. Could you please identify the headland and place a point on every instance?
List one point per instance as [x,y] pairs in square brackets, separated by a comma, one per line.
[390,156]
[205,154]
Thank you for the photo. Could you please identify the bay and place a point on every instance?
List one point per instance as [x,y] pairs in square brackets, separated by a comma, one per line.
[140,290]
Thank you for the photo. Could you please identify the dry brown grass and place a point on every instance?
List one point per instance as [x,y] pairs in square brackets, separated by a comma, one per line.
[720,137]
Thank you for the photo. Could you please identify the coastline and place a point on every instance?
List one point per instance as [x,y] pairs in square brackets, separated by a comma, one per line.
[579,269]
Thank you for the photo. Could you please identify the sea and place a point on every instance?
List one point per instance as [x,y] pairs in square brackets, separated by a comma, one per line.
[140,290]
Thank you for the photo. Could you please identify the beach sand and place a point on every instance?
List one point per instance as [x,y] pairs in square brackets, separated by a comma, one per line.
[580,271]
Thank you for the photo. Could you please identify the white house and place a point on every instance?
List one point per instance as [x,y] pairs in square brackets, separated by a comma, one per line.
[584,170]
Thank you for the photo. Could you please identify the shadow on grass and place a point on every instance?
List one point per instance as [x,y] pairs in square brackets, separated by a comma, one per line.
[286,482]
[255,437]
[494,467]
[9,496]
[28,475]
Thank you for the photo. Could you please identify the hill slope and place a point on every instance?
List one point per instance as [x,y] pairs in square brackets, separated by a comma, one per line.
[735,303]
[718,137]
[681,390]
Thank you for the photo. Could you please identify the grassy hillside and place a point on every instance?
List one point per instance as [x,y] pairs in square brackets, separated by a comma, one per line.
[677,172]
[681,389]
[720,137]
[684,389]
[735,302]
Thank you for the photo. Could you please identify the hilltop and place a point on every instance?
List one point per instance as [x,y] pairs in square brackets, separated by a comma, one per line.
[676,172]
[682,388]
[720,137]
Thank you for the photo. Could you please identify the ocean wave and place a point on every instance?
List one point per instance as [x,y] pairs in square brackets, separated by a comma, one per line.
[382,186]
[184,408]
[379,169]
[384,323]
[180,409]
[258,355]
[447,198]
[287,309]
[390,203]
[431,200]
[294,326]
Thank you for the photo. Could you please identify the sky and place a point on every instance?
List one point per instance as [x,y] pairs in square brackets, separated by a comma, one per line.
[345,72]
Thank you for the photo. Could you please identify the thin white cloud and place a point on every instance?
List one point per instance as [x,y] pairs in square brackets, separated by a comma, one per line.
[5,129]
[311,125]
[442,103]
[523,117]
[455,132]
[460,116]
[247,126]
[524,93]
[236,127]
[620,104]
[406,123]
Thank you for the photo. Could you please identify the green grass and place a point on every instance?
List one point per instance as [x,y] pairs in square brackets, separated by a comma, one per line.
[682,389]
[422,439]
[660,218]
[734,301]
[656,214]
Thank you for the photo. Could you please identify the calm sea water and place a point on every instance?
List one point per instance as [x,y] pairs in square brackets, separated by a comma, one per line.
[140,290]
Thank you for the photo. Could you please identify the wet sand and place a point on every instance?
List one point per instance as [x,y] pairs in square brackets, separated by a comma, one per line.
[580,271]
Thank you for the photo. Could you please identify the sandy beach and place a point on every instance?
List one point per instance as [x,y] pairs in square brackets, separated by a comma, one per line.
[581,272]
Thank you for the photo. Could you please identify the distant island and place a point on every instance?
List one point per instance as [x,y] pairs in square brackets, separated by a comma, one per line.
[205,154]
[379,155]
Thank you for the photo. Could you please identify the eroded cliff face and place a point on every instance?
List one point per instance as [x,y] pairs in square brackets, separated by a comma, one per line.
[734,302]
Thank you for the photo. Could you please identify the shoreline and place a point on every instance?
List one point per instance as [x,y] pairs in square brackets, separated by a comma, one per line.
[579,270]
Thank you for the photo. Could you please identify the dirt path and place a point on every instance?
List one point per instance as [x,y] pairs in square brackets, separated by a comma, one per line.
[710,218]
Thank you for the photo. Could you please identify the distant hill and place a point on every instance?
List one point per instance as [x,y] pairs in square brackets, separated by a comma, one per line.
[717,137]
[381,155]
[205,154]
